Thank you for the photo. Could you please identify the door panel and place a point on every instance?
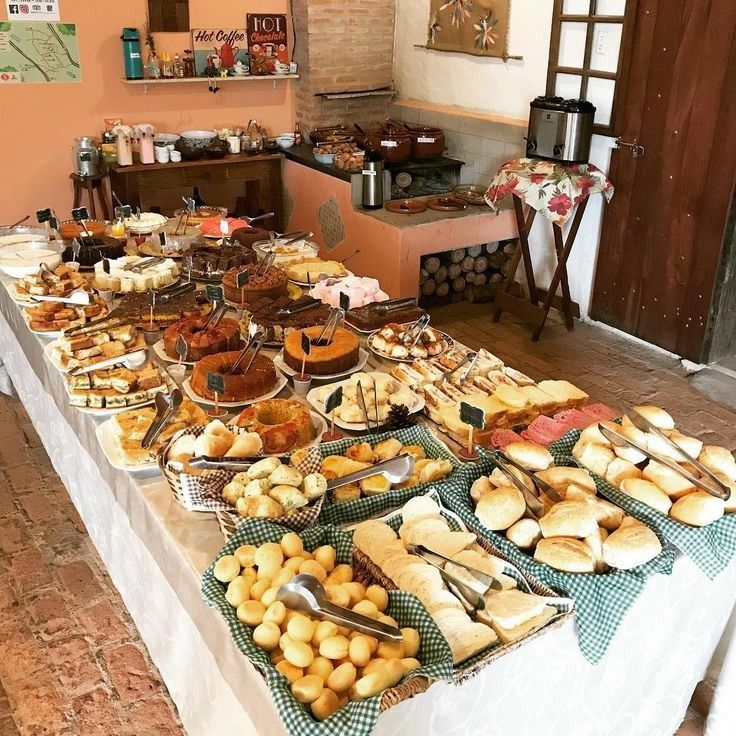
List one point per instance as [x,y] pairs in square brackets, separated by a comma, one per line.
[662,233]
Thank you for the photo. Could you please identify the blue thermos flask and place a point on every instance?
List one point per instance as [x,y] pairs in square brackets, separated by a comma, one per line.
[132,53]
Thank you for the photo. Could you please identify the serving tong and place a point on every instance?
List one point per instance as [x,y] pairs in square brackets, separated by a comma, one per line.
[395,470]
[414,333]
[333,322]
[256,342]
[364,406]
[391,304]
[266,263]
[237,464]
[304,593]
[722,491]
[470,358]
[166,407]
[145,263]
[162,296]
[305,303]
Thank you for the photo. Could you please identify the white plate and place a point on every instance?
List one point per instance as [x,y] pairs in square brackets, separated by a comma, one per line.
[154,221]
[186,385]
[447,340]
[286,370]
[169,385]
[56,333]
[24,300]
[106,437]
[158,349]
[318,423]
[414,403]
[135,358]
[305,285]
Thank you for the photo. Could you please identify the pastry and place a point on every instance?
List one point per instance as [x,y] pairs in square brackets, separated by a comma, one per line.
[265,313]
[219,339]
[399,341]
[114,388]
[211,262]
[260,378]
[271,285]
[56,316]
[359,290]
[282,424]
[122,279]
[339,356]
[85,350]
[310,270]
[59,282]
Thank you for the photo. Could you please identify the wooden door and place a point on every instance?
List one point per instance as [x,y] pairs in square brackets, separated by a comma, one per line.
[663,232]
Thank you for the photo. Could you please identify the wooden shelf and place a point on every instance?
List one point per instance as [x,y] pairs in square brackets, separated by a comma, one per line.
[203,80]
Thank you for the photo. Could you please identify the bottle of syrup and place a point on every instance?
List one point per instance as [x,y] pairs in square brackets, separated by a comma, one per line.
[297,134]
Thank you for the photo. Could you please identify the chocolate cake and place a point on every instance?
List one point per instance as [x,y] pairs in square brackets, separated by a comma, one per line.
[264,313]
[93,250]
[369,318]
[211,262]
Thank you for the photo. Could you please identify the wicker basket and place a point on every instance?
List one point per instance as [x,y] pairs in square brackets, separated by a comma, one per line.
[229,520]
[367,567]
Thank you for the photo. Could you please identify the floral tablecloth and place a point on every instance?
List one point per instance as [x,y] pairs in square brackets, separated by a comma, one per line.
[548,187]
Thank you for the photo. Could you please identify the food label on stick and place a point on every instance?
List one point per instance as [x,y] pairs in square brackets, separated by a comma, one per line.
[215,293]
[333,400]
[43,215]
[182,348]
[242,278]
[216,383]
[472,415]
[80,214]
[306,344]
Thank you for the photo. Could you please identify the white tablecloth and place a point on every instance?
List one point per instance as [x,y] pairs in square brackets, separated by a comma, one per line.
[155,552]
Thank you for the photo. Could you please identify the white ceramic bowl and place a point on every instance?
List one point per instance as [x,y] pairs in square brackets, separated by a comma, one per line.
[163,139]
[198,138]
[23,259]
[324,158]
[284,142]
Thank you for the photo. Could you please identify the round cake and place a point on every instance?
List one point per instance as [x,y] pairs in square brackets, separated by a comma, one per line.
[339,356]
[211,262]
[247,236]
[220,339]
[265,314]
[282,424]
[93,251]
[273,284]
[260,378]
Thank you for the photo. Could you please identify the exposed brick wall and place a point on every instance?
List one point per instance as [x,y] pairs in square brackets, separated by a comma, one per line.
[343,46]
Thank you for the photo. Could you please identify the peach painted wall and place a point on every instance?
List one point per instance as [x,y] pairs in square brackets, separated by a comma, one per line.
[39,122]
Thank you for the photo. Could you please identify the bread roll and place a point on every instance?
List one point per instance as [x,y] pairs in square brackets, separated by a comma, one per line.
[697,509]
[563,553]
[525,533]
[387,450]
[621,469]
[478,488]
[656,416]
[648,493]
[595,458]
[499,478]
[718,460]
[595,542]
[208,445]
[691,445]
[569,519]
[730,502]
[529,455]
[607,515]
[593,435]
[670,481]
[629,453]
[560,477]
[248,444]
[631,545]
[500,508]
[182,448]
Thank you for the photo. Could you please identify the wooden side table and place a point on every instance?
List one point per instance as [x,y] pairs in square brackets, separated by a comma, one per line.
[531,309]
[90,185]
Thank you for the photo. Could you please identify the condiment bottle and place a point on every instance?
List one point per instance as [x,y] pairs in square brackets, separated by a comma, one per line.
[178,67]
[167,68]
[297,134]
[188,63]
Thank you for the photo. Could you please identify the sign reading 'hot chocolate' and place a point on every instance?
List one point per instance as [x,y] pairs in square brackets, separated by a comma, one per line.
[267,43]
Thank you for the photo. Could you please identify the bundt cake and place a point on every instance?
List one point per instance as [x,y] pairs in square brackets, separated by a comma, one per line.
[339,356]
[283,424]
[260,378]
[220,339]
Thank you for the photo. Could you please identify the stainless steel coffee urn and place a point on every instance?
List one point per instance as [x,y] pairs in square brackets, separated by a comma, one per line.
[373,181]
[86,156]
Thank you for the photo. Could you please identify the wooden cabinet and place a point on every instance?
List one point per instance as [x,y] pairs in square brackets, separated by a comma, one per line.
[249,185]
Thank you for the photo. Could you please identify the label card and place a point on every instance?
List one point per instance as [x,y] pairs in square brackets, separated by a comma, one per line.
[333,400]
[344,301]
[80,214]
[43,215]
[215,293]
[472,415]
[182,348]
[216,383]
[76,247]
[306,344]
[242,278]
[106,265]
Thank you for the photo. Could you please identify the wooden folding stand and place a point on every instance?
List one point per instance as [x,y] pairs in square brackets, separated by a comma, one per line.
[531,310]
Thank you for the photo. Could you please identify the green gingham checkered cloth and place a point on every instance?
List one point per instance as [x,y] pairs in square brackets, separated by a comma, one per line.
[710,547]
[349,512]
[563,605]
[601,601]
[357,718]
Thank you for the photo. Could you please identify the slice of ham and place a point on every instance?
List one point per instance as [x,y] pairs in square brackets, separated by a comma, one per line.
[599,412]
[544,430]
[573,419]
[503,437]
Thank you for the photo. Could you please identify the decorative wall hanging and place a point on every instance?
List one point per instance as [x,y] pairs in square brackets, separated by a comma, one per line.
[477,27]
[170,16]
[35,51]
[218,48]
[267,43]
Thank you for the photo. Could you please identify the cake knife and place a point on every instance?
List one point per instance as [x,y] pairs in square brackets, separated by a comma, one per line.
[620,441]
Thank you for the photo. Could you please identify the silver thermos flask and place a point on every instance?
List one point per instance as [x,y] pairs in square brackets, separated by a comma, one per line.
[373,181]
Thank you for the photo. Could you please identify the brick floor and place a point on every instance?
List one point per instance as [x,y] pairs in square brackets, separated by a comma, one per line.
[71,660]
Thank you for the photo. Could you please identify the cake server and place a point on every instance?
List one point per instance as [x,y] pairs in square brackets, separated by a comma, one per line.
[644,425]
[534,506]
[540,485]
[484,578]
[166,407]
[238,464]
[396,470]
[304,593]
[391,304]
[620,441]
[80,297]
[258,218]
[299,306]
[133,359]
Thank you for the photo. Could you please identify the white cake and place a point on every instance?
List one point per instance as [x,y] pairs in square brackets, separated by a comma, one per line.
[119,279]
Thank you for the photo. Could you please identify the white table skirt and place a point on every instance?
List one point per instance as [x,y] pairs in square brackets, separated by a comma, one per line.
[156,552]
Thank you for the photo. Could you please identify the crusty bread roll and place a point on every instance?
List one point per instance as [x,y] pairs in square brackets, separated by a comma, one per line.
[621,469]
[629,453]
[217,428]
[656,416]
[560,477]
[718,460]
[595,542]
[730,502]
[670,481]
[692,445]
[563,553]
[607,515]
[529,455]
[697,509]
[656,444]
[569,519]
[499,478]
[631,545]
[525,533]
[182,448]
[248,444]
[592,434]
[648,493]
[595,458]
[479,487]
[210,445]
[500,508]
[388,449]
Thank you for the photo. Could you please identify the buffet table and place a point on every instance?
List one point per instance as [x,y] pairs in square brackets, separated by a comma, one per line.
[156,552]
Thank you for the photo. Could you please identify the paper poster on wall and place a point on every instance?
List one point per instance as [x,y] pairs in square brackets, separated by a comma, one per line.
[477,27]
[38,52]
[46,10]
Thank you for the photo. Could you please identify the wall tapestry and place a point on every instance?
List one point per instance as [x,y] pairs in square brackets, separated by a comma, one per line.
[477,27]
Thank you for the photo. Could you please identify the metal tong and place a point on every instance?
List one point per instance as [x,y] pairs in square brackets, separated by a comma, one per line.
[334,320]
[215,315]
[414,333]
[266,263]
[306,594]
[483,578]
[470,358]
[396,470]
[237,464]
[114,318]
[256,342]
[364,406]
[166,407]
[304,304]
[534,506]
[722,492]
[391,304]
[165,295]
[145,263]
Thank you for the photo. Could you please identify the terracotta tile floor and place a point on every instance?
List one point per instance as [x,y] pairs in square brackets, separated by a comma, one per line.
[71,661]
